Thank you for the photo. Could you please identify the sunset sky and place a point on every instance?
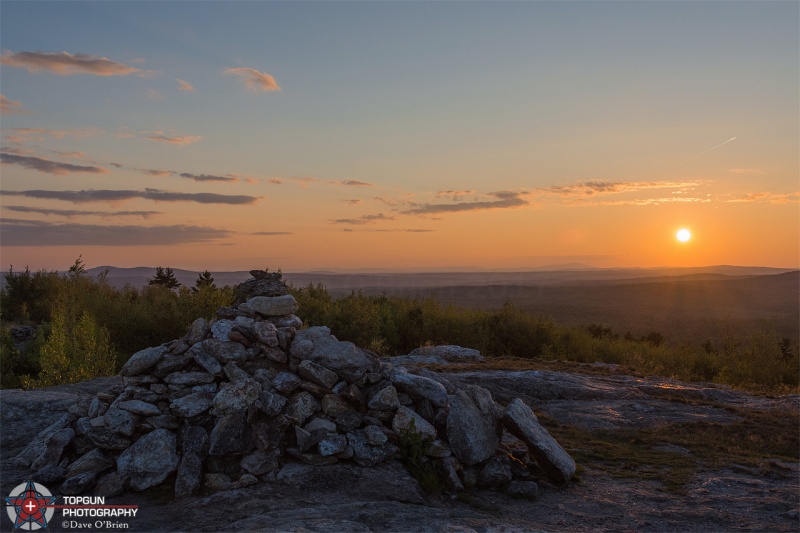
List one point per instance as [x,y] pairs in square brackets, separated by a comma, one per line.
[239,135]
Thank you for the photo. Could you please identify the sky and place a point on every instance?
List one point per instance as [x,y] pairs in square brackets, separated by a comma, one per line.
[407,135]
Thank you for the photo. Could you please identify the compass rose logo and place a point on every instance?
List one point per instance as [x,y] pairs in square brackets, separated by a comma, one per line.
[29,506]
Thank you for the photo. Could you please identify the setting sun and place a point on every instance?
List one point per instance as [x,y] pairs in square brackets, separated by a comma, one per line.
[683,235]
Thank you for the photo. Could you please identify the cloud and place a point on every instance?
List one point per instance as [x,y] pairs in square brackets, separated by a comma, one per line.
[69,213]
[352,201]
[642,201]
[93,195]
[185,86]
[37,134]
[207,177]
[11,107]
[73,155]
[14,232]
[66,64]
[183,141]
[504,200]
[455,195]
[352,183]
[253,79]
[306,180]
[767,197]
[47,166]
[365,219]
[154,94]
[599,187]
[270,233]
[159,173]
[276,181]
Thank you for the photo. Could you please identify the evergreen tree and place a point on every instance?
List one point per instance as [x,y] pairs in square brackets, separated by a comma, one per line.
[165,278]
[204,280]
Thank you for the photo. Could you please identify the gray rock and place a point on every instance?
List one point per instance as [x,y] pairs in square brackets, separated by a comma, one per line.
[367,454]
[97,408]
[320,423]
[92,461]
[527,490]
[230,436]
[271,305]
[225,351]
[451,466]
[520,421]
[437,448]
[198,331]
[193,404]
[307,439]
[53,448]
[271,404]
[49,474]
[221,328]
[384,400]
[142,361]
[236,397]
[111,484]
[167,365]
[105,439]
[139,407]
[418,386]
[217,482]
[285,382]
[268,434]
[37,445]
[300,407]
[317,374]
[472,426]
[188,378]
[209,363]
[193,439]
[234,373]
[287,321]
[120,421]
[260,462]
[77,484]
[266,333]
[149,460]
[348,421]
[190,475]
[375,436]
[318,345]
[402,421]
[334,405]
[332,444]
[495,473]
[261,284]
[451,353]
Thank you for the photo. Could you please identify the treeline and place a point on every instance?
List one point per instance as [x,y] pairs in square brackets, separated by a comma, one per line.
[88,328]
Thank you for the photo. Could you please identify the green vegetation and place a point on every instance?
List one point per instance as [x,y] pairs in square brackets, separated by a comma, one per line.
[421,467]
[88,328]
[758,359]
[84,324]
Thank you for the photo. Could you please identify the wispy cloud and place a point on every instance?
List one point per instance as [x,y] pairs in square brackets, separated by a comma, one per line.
[253,79]
[767,197]
[276,181]
[38,134]
[69,213]
[15,232]
[271,233]
[100,195]
[47,166]
[503,200]
[600,187]
[73,155]
[66,64]
[154,94]
[185,86]
[455,195]
[639,201]
[364,219]
[183,141]
[159,173]
[207,177]
[352,201]
[351,183]
[11,107]
[305,181]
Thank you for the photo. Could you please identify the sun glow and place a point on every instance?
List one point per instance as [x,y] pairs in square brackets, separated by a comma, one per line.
[683,235]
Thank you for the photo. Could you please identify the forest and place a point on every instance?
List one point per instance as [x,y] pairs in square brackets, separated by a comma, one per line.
[85,328]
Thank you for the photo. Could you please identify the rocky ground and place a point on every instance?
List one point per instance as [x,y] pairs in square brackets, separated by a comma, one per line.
[653,455]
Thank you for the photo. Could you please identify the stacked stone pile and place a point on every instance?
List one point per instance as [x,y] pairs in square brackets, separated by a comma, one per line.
[235,399]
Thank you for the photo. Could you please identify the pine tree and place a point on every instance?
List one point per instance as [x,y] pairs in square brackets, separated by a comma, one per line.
[165,278]
[204,280]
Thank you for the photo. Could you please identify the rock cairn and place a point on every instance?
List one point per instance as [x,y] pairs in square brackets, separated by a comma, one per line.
[235,399]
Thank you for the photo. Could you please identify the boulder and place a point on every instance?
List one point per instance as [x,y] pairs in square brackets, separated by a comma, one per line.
[418,386]
[193,404]
[198,331]
[521,422]
[405,417]
[300,407]
[270,305]
[317,374]
[384,400]
[149,460]
[142,361]
[236,397]
[452,353]
[92,461]
[230,436]
[139,407]
[190,475]
[345,358]
[53,448]
[472,426]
